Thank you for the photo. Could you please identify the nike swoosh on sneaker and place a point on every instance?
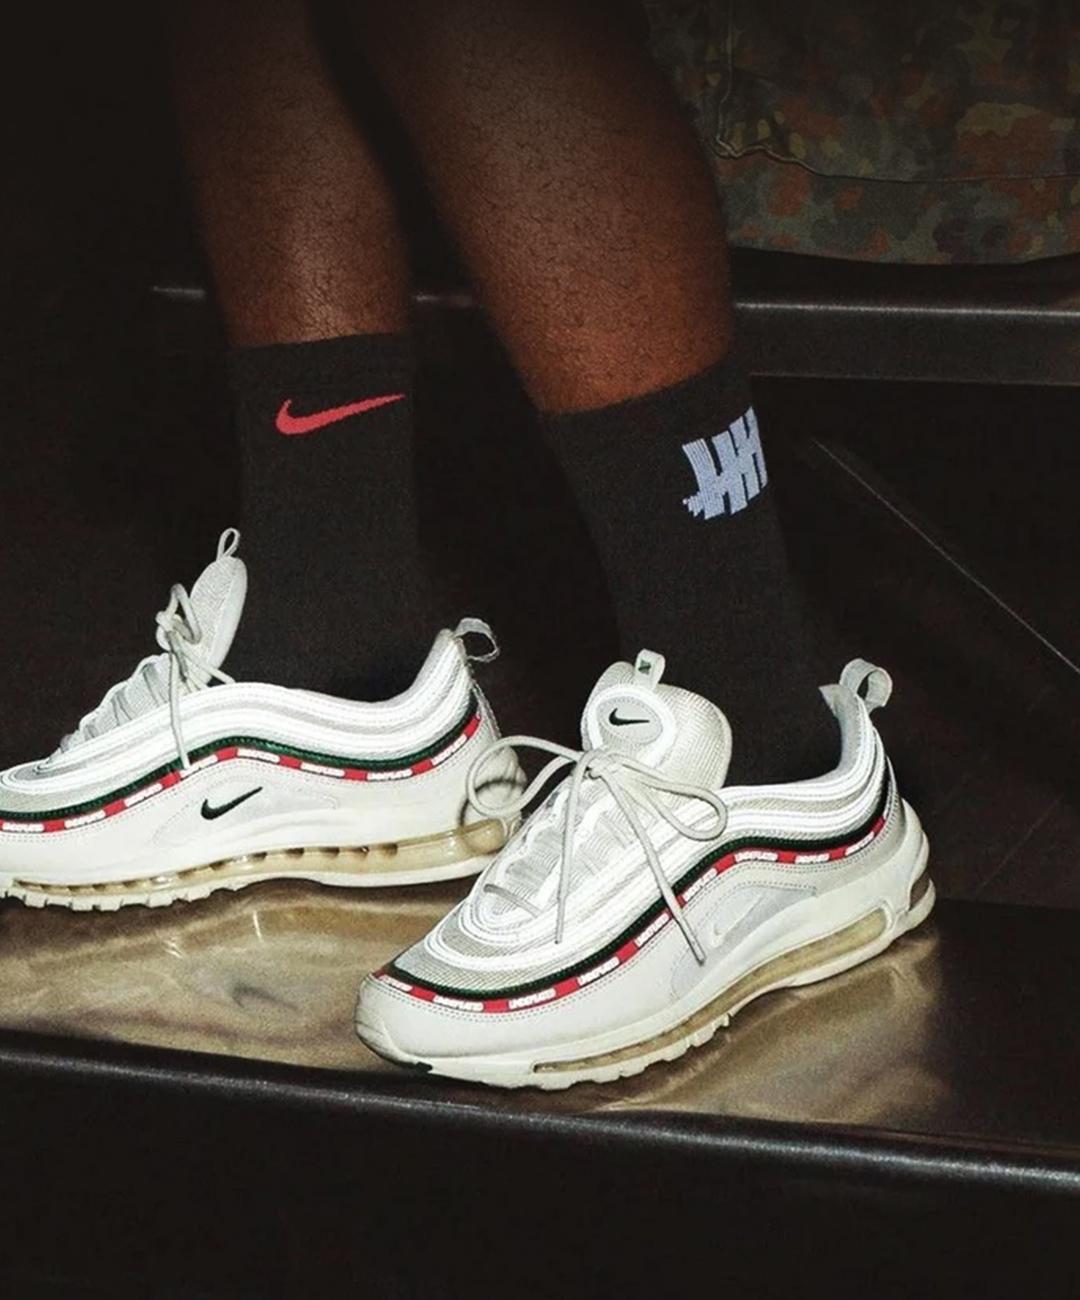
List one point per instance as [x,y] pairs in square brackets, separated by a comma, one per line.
[291,425]
[617,721]
[211,814]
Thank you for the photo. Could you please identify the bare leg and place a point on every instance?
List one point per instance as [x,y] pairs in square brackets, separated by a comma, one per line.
[296,214]
[574,187]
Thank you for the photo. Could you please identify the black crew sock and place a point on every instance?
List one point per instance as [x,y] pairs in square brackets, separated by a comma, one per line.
[674,489]
[338,600]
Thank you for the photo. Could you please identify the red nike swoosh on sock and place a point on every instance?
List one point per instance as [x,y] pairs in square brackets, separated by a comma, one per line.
[290,424]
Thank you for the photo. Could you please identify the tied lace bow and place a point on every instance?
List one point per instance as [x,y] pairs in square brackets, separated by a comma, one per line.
[629,782]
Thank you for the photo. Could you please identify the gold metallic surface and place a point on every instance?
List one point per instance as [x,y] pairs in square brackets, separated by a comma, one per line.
[949,1031]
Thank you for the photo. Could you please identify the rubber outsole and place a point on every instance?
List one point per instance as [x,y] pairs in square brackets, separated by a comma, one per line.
[450,855]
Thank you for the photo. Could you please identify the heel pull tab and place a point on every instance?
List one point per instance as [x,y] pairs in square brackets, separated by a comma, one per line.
[878,684]
[228,543]
[477,627]
[649,668]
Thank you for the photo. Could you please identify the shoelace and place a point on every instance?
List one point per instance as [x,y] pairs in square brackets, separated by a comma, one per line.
[178,633]
[628,781]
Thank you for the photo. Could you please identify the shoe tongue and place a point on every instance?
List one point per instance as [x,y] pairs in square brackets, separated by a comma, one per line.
[668,729]
[218,601]
[665,727]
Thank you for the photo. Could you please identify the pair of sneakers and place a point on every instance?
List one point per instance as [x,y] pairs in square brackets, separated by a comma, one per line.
[637,908]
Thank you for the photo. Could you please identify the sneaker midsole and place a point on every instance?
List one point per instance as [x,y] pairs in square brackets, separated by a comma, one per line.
[326,864]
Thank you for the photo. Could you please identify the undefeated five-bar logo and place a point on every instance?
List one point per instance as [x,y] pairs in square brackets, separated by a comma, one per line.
[729,468]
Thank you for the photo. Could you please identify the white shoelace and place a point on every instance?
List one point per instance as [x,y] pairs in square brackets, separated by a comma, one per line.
[628,781]
[178,633]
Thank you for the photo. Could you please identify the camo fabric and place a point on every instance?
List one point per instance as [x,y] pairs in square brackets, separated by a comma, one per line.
[931,131]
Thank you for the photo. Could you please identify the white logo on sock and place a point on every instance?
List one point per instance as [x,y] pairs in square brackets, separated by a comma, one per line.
[729,468]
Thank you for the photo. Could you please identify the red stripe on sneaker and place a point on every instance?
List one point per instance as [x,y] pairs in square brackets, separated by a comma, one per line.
[114,807]
[573,983]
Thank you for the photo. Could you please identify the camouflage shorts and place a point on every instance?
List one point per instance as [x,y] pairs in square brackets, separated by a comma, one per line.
[933,131]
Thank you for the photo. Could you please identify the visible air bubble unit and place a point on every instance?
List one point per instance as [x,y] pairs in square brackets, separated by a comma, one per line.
[405,861]
[713,1015]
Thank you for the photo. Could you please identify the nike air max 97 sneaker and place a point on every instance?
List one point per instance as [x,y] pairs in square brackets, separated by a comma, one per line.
[183,781]
[644,903]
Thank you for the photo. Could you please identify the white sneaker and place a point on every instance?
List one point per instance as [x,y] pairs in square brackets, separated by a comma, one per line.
[183,781]
[642,904]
